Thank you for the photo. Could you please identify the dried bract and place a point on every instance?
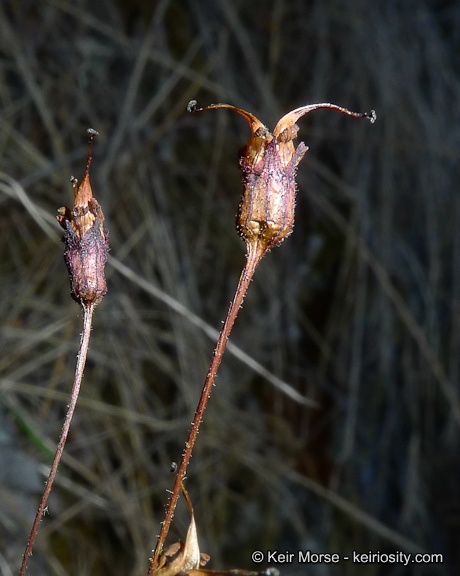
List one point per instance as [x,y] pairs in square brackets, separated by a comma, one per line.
[181,557]
[86,241]
[185,558]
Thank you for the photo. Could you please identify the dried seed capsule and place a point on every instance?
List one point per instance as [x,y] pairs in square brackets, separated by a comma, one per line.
[266,210]
[268,164]
[86,241]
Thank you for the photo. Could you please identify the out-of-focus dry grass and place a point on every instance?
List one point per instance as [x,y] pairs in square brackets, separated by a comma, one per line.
[358,309]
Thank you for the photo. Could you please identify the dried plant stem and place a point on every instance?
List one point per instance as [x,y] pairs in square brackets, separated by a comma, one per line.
[81,360]
[255,253]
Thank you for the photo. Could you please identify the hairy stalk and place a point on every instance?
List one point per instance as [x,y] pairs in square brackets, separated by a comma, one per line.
[265,218]
[81,361]
[254,256]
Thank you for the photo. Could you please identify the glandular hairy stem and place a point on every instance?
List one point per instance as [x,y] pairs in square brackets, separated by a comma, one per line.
[254,255]
[81,361]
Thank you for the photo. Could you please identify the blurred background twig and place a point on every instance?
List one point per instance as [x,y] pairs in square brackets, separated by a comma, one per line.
[358,310]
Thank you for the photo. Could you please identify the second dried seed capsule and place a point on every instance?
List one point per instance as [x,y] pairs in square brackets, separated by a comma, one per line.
[86,242]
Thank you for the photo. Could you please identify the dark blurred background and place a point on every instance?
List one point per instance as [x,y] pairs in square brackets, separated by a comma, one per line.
[357,310]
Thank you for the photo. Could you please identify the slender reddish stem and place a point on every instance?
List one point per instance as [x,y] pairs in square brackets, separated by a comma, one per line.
[81,360]
[255,253]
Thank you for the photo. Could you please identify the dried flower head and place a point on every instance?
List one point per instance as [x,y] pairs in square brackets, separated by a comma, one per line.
[268,163]
[86,241]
